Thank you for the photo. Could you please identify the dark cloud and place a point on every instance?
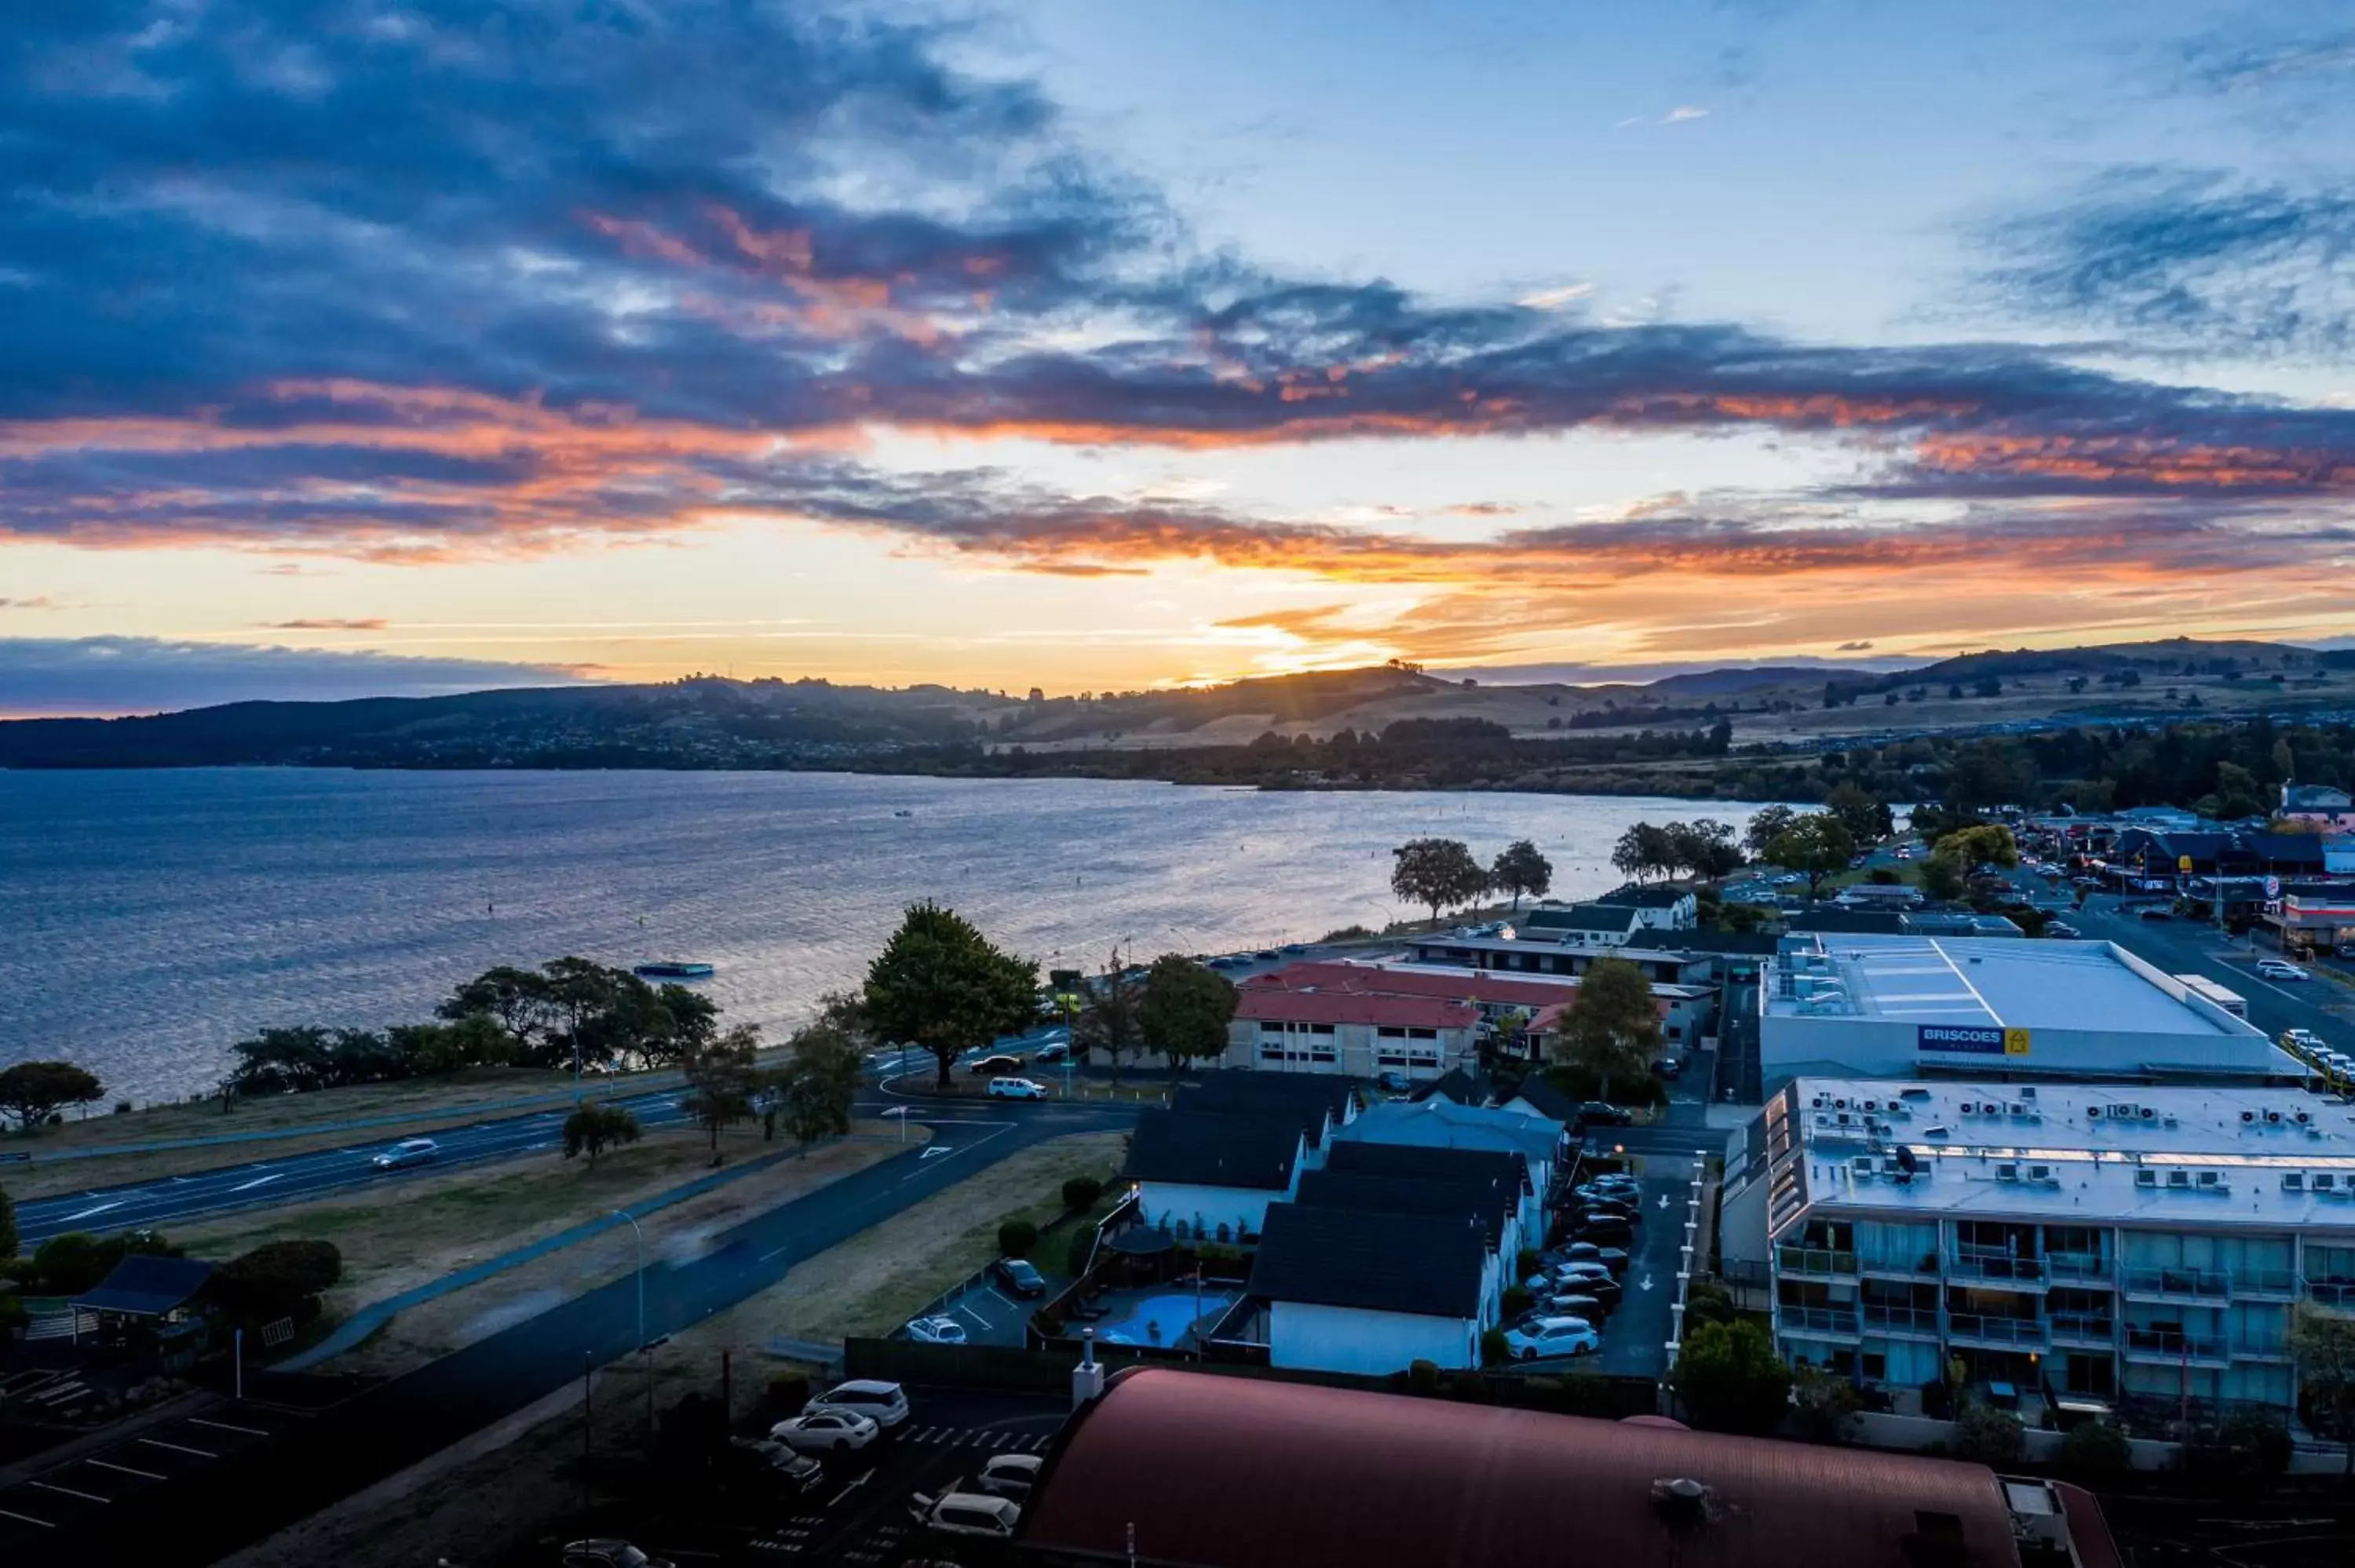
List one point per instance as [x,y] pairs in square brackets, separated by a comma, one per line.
[109,675]
[326,623]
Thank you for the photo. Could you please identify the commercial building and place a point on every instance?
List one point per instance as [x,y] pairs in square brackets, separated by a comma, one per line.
[1669,957]
[1903,1007]
[1508,999]
[1170,1467]
[2101,1245]
[1351,1032]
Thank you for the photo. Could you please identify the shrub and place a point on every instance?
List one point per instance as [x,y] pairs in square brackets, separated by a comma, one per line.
[2096,1448]
[1516,1301]
[1423,1378]
[1017,1237]
[1046,1325]
[1821,1403]
[1525,1262]
[1991,1436]
[71,1263]
[1731,1380]
[1494,1351]
[282,1276]
[788,1392]
[2256,1445]
[1080,1193]
[1708,1302]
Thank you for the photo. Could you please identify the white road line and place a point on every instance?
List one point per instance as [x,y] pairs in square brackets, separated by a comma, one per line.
[256,1182]
[100,1210]
[180,1448]
[226,1426]
[110,1464]
[69,1491]
[28,1518]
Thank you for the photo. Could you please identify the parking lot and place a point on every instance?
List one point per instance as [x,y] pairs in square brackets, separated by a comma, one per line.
[986,1312]
[108,1484]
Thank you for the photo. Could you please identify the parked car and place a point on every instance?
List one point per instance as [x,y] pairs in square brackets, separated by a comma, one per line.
[1009,1476]
[1294,949]
[1669,1067]
[2279,969]
[1582,1252]
[1606,1290]
[1553,1337]
[1266,956]
[409,1151]
[1597,1113]
[974,1514]
[2305,1040]
[2156,912]
[1017,1089]
[1614,1258]
[1606,1232]
[826,1431]
[999,1064]
[885,1403]
[774,1462]
[1621,1209]
[936,1331]
[2061,928]
[1019,1277]
[1573,1304]
[1054,1051]
[610,1554]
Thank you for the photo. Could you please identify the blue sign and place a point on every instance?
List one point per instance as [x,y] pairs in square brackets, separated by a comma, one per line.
[1978,1040]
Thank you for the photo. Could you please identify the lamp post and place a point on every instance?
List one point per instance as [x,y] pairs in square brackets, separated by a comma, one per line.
[638,1241]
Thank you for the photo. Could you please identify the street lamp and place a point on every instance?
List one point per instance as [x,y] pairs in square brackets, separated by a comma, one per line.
[638,1237]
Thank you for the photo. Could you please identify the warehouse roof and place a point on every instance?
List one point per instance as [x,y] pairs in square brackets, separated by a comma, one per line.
[1989,982]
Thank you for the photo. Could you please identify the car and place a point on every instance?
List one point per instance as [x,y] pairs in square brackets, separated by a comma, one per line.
[2277,970]
[2155,912]
[771,1461]
[826,1431]
[1553,1337]
[1009,1476]
[1621,1209]
[966,1513]
[1017,1089]
[1393,1082]
[1574,1271]
[2061,928]
[936,1331]
[998,1063]
[1614,1258]
[1594,1111]
[1607,1192]
[2303,1039]
[1576,1304]
[1669,1067]
[1224,963]
[1019,1276]
[407,1153]
[1580,1251]
[610,1554]
[1294,949]
[1266,956]
[1606,1232]
[1054,1051]
[885,1403]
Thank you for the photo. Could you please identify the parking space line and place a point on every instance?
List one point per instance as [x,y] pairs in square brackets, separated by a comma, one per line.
[69,1491]
[226,1426]
[180,1448]
[110,1464]
[28,1518]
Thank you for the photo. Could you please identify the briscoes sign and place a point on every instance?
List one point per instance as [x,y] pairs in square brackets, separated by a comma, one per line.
[1971,1039]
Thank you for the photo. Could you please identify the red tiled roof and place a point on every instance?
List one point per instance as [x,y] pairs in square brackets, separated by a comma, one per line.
[1246,1473]
[1271,1006]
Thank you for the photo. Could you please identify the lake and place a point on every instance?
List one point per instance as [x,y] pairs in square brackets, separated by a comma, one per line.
[150,920]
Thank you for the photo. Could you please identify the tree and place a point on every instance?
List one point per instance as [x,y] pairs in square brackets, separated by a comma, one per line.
[592,1128]
[7,1227]
[1703,846]
[32,1091]
[720,1077]
[2323,1343]
[576,990]
[2096,1448]
[1821,1402]
[1521,870]
[1613,1028]
[939,985]
[1815,845]
[1439,873]
[1729,1378]
[1080,1193]
[1767,826]
[1988,843]
[518,999]
[275,1275]
[1866,816]
[1015,1238]
[1111,1018]
[1644,849]
[1991,1436]
[820,1080]
[1942,879]
[1186,1010]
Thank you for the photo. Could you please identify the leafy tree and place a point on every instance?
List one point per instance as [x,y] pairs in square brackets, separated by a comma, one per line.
[518,999]
[1866,817]
[1439,873]
[1613,1029]
[70,1264]
[1730,1379]
[1186,1010]
[7,1227]
[1821,1402]
[939,985]
[1942,879]
[1988,843]
[1521,870]
[2096,1448]
[1643,849]
[1112,1020]
[1767,826]
[276,1275]
[820,1080]
[2256,1446]
[578,990]
[1816,846]
[32,1091]
[1991,1436]
[1015,1238]
[592,1128]
[2323,1341]
[1703,846]
[720,1077]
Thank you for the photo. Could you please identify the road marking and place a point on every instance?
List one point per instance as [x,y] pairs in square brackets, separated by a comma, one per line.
[180,1448]
[1645,1284]
[853,1487]
[1664,1202]
[930,1152]
[100,1210]
[256,1182]
[226,1426]
[28,1518]
[69,1491]
[775,1252]
[110,1464]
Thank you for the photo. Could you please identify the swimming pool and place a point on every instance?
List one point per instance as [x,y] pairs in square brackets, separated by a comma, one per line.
[1173,1313]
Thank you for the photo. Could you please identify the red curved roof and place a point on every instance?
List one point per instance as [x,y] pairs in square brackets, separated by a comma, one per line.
[1244,1473]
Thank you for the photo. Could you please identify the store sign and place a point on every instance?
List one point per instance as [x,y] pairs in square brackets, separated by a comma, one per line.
[1971,1040]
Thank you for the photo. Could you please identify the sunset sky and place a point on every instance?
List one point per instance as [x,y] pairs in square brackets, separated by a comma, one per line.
[352,347]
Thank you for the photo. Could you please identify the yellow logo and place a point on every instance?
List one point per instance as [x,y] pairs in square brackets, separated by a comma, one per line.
[2015,1042]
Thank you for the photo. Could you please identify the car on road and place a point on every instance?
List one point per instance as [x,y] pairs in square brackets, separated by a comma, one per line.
[1017,1089]
[1669,1067]
[885,1403]
[972,1514]
[610,1554]
[1010,1476]
[2061,928]
[1553,1336]
[2279,969]
[936,1331]
[1266,956]
[826,1431]
[1054,1051]
[407,1153]
[1294,949]
[998,1063]
[1598,1113]
[1226,963]
[1019,1276]
[2155,912]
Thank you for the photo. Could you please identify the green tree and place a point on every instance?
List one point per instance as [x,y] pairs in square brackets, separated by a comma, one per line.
[720,1078]
[1613,1028]
[1730,1379]
[594,1126]
[1438,873]
[1765,825]
[1521,870]
[1942,879]
[1987,844]
[578,990]
[1111,1018]
[939,985]
[1015,1238]
[2095,1449]
[820,1080]
[1816,846]
[33,1091]
[1643,850]
[2323,1343]
[518,999]
[1821,1402]
[1186,1010]
[1703,846]
[1866,817]
[1991,1436]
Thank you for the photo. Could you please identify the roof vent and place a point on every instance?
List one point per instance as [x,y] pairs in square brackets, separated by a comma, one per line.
[1682,1500]
[2293,1181]
[1941,1130]
[2146,1177]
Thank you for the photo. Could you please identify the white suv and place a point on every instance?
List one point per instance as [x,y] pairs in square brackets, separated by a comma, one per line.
[967,1513]
[884,1404]
[2278,970]
[1017,1089]
[407,1151]
[1553,1337]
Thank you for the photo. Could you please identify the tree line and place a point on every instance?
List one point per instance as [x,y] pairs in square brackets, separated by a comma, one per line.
[1442,873]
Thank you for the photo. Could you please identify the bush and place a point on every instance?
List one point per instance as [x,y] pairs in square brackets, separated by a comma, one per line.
[1730,1379]
[1080,1193]
[1821,1403]
[283,1276]
[1882,876]
[73,1263]
[1514,1301]
[1991,1436]
[1423,1378]
[1494,1351]
[2256,1445]
[1015,1238]
[2096,1448]
[1708,1302]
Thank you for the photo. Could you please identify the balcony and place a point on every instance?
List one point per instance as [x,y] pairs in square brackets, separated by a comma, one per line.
[1919,1321]
[1792,1258]
[2080,1329]
[2261,1350]
[1837,1322]
[2172,1345]
[1972,1328]
[1910,1266]
[2178,1284]
[2340,1293]
[2027,1271]
[2271,1284]
[2065,1269]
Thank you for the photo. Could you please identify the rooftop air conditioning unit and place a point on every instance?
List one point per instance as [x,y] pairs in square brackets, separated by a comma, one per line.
[1968,1108]
[2147,1114]
[1938,1129]
[2027,1094]
[2179,1179]
[1861,1166]
[2146,1177]
[2007,1173]
[1842,1117]
[2171,1121]
[2293,1182]
[2214,1181]
[1840,1104]
[2272,1118]
[2329,1186]
[1821,1100]
[2248,1116]
[2016,1107]
[2093,1113]
[2041,1173]
[2302,1116]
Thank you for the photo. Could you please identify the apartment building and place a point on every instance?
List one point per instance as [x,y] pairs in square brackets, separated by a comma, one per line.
[2127,1246]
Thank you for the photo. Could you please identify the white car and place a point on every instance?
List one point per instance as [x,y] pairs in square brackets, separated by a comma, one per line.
[1553,1337]
[936,1331]
[1017,1089]
[2276,970]
[885,1403]
[966,1513]
[826,1431]
[2305,1040]
[407,1151]
[1009,1476]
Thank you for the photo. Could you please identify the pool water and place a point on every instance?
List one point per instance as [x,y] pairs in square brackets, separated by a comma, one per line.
[1172,1311]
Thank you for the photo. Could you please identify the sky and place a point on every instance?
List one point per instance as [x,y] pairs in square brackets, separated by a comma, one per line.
[353,348]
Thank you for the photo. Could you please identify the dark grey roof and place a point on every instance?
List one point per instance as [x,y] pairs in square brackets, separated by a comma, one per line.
[1849,922]
[1308,1098]
[1428,1264]
[1201,1149]
[1760,943]
[1465,1089]
[1490,1202]
[1545,1098]
[1425,1162]
[1639,897]
[2284,849]
[144,1286]
[1580,917]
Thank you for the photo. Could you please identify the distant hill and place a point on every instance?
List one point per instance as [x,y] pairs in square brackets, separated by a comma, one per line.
[2176,655]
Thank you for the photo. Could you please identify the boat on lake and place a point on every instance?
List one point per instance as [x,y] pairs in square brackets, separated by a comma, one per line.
[673,972]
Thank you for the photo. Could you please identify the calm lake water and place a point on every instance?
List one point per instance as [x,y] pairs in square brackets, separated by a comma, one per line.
[148,919]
